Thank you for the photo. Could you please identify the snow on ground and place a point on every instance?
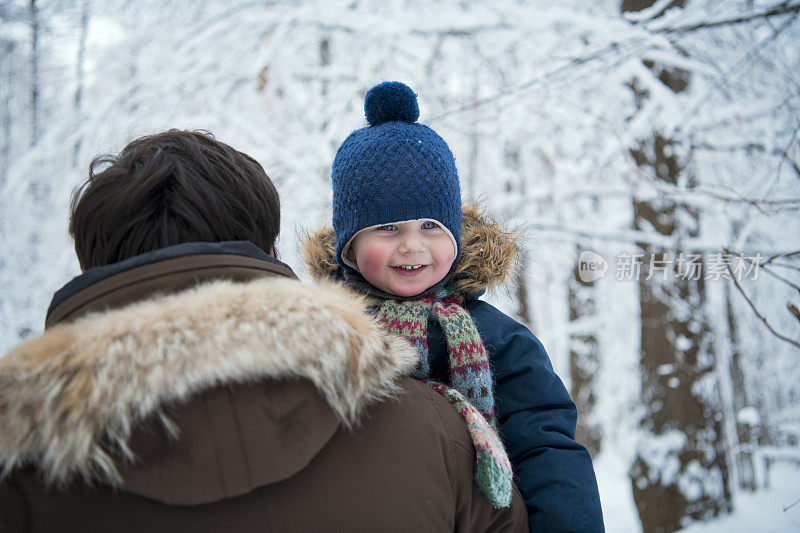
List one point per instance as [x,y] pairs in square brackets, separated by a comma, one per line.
[760,512]
[619,511]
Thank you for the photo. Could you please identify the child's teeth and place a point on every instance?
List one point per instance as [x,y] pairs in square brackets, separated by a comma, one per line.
[410,267]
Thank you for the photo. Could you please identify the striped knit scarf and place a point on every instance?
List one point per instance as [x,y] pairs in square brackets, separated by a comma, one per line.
[470,391]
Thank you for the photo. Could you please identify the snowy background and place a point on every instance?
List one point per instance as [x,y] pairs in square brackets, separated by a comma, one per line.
[646,132]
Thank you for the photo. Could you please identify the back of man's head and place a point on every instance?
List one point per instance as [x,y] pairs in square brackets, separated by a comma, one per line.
[171,188]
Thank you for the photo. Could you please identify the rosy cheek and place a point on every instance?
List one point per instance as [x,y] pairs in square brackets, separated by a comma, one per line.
[450,257]
[446,256]
[371,260]
[372,257]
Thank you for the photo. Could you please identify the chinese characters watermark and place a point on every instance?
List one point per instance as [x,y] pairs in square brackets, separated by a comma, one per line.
[668,266]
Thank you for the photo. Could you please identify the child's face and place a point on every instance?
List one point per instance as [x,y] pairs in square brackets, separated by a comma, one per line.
[404,258]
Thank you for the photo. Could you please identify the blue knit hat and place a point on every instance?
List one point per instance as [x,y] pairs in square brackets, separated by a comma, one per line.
[393,170]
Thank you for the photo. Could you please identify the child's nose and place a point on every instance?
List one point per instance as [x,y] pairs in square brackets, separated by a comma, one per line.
[410,244]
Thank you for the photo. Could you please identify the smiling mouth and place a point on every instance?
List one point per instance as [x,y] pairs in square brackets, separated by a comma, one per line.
[409,270]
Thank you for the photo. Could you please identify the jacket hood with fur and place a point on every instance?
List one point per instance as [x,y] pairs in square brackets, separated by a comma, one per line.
[487,253]
[71,399]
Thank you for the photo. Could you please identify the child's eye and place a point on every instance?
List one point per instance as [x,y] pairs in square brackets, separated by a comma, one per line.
[429,225]
[387,227]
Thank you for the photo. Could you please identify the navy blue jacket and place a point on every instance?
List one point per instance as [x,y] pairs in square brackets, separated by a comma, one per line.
[537,421]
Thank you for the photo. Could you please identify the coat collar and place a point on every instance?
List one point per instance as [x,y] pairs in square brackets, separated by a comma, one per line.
[71,398]
[166,270]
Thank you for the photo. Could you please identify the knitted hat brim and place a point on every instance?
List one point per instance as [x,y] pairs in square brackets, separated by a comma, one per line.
[346,247]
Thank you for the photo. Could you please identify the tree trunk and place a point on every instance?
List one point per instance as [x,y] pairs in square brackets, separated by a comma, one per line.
[744,428]
[6,72]
[584,358]
[79,68]
[680,470]
[469,192]
[324,61]
[517,187]
[79,73]
[34,72]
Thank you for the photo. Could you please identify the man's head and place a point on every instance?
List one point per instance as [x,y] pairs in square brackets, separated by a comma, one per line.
[394,170]
[171,188]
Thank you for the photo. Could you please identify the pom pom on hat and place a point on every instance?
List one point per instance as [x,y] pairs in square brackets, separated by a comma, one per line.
[391,101]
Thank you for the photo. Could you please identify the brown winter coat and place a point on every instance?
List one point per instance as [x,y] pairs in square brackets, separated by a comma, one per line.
[261,404]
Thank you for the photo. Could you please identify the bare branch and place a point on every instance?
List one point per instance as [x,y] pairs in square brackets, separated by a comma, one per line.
[774,257]
[756,311]
[785,153]
[794,310]
[763,266]
[787,265]
[774,12]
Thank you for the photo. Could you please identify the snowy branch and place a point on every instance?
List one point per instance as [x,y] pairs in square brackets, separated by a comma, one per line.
[751,147]
[654,11]
[636,237]
[541,79]
[461,32]
[782,9]
[685,196]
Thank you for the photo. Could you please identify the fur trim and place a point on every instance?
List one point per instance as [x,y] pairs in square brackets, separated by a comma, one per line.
[318,250]
[487,252]
[70,398]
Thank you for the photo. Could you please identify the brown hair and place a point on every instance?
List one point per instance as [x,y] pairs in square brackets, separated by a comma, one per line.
[171,188]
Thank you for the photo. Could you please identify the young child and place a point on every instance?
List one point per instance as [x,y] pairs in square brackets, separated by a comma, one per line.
[399,236]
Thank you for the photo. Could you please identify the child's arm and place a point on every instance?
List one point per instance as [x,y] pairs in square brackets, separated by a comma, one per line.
[537,420]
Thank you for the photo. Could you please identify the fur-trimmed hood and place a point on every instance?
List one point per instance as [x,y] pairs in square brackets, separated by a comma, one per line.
[488,252]
[71,398]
